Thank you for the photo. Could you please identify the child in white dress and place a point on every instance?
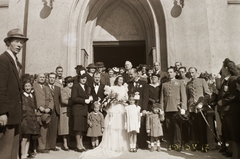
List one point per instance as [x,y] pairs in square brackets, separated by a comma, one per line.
[132,122]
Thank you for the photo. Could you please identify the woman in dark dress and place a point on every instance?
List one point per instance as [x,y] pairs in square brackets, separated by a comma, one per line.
[154,91]
[30,127]
[81,98]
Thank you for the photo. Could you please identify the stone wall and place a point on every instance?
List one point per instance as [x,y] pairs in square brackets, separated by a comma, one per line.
[204,34]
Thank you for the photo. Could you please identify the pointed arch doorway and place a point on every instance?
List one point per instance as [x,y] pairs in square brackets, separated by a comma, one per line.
[99,27]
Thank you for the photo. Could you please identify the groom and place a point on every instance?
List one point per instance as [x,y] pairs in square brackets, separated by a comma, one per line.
[137,86]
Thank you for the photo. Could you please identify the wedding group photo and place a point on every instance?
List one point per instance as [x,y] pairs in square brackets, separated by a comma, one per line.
[119,79]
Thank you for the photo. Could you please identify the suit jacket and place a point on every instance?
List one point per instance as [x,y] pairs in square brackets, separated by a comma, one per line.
[59,82]
[56,94]
[43,97]
[126,77]
[78,96]
[100,92]
[142,88]
[10,90]
[173,93]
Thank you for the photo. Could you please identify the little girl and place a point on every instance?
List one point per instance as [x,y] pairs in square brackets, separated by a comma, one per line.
[132,122]
[96,124]
[153,125]
[29,126]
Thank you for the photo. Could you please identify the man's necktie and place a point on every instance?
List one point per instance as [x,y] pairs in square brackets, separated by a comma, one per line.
[18,63]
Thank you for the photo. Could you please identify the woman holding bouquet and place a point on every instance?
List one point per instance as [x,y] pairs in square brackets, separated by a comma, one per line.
[115,137]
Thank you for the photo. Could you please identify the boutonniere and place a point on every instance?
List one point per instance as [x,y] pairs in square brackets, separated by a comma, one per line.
[140,86]
[176,83]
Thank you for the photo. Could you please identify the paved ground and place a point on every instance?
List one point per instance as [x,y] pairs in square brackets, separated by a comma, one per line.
[141,154]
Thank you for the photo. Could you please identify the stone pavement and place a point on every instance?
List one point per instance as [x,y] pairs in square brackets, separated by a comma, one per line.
[141,154]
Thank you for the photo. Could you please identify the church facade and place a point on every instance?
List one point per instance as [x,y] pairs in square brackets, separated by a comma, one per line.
[200,33]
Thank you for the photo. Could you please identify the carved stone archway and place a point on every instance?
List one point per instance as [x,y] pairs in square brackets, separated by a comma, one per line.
[87,21]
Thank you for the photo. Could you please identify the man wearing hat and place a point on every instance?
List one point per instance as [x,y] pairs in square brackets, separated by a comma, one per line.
[104,76]
[10,95]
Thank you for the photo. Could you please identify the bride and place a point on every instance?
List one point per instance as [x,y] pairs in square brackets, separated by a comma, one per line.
[115,137]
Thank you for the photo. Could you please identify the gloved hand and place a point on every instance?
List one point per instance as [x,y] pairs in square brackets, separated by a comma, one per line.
[200,105]
[182,111]
[87,101]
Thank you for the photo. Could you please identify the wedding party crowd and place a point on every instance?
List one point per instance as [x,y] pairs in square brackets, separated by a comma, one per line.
[118,109]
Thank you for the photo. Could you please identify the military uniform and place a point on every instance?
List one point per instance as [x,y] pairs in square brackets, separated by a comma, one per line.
[196,89]
[173,94]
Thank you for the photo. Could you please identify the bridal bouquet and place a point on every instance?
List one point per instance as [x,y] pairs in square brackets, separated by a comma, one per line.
[109,99]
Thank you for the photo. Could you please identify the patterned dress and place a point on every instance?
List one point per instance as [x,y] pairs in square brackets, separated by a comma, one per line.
[97,121]
[154,125]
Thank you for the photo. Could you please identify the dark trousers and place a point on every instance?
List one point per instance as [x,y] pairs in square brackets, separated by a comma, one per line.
[199,128]
[174,128]
[52,131]
[9,142]
[142,136]
[186,128]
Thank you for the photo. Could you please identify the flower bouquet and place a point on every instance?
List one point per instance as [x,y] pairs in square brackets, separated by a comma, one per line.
[109,99]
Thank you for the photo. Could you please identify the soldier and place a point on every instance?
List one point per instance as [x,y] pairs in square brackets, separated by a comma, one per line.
[198,94]
[173,98]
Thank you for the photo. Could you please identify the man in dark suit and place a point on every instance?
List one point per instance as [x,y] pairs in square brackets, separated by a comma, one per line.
[157,70]
[97,89]
[138,87]
[45,105]
[104,76]
[53,124]
[10,95]
[128,67]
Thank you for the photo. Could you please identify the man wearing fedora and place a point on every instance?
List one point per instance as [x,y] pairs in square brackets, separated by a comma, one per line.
[104,76]
[10,95]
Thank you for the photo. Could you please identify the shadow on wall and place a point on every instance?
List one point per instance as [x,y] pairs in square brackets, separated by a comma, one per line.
[46,10]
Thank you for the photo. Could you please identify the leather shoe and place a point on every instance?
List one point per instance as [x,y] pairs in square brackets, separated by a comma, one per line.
[227,154]
[79,150]
[42,151]
[65,149]
[54,149]
[134,150]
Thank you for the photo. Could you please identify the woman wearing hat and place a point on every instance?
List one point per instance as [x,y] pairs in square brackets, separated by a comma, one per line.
[81,99]
[91,69]
[65,126]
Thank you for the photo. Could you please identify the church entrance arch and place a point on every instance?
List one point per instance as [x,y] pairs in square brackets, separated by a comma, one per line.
[118,30]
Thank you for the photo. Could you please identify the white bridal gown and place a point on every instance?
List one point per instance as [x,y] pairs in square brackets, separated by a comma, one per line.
[115,138]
